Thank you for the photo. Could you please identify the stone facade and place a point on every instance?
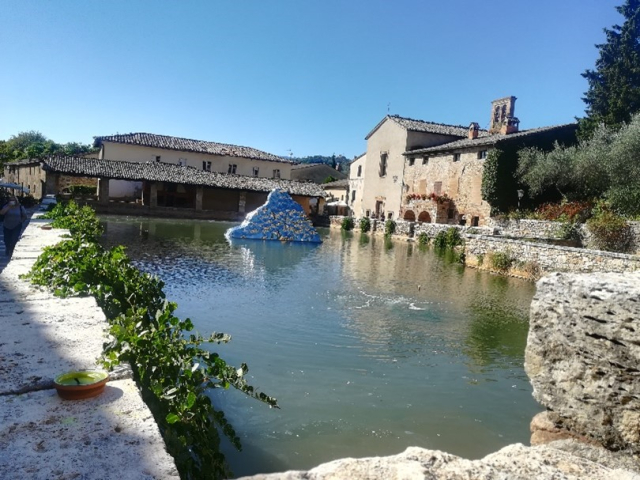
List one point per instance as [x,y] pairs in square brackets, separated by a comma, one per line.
[459,176]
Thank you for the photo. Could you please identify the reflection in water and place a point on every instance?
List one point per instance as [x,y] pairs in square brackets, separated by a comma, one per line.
[370,346]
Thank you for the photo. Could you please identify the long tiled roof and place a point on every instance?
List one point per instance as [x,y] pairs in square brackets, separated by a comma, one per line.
[487,140]
[165,172]
[187,145]
[427,127]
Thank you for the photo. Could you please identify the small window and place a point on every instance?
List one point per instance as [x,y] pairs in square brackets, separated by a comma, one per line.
[232,168]
[206,166]
[367,213]
[475,221]
[425,160]
[353,196]
[412,162]
[437,188]
[276,173]
[383,164]
[390,215]
[157,158]
[456,157]
[256,170]
[182,162]
[482,154]
[359,170]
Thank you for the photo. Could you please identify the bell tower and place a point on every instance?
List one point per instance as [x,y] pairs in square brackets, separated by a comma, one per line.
[503,119]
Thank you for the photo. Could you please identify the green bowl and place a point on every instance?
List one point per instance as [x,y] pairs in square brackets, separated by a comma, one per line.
[80,384]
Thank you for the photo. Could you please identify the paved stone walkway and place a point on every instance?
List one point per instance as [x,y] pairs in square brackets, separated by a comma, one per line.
[42,436]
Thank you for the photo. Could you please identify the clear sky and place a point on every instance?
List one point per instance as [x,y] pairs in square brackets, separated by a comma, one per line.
[302,76]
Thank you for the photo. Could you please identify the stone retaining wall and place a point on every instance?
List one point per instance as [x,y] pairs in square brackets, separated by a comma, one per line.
[549,258]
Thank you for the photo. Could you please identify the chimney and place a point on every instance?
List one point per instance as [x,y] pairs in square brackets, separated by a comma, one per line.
[503,118]
[474,128]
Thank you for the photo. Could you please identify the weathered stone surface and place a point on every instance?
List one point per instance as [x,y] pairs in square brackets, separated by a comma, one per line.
[281,218]
[112,435]
[514,462]
[583,355]
[543,430]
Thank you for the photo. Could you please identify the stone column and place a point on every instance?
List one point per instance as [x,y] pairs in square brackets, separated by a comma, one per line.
[242,202]
[199,194]
[153,195]
[103,191]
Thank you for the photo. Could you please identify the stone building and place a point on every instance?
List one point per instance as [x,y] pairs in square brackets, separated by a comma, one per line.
[431,172]
[198,154]
[28,173]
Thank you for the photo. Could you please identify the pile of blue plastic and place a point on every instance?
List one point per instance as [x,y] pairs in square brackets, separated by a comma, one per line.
[281,218]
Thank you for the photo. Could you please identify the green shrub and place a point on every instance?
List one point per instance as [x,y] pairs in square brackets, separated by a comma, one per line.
[173,367]
[501,261]
[440,240]
[610,231]
[480,259]
[389,227]
[449,238]
[82,190]
[423,238]
[347,224]
[568,231]
[28,201]
[365,224]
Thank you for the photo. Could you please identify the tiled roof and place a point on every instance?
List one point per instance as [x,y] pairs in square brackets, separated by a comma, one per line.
[336,184]
[165,172]
[187,145]
[427,127]
[487,140]
[315,172]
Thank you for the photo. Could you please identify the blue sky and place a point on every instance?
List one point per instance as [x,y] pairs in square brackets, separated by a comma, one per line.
[302,76]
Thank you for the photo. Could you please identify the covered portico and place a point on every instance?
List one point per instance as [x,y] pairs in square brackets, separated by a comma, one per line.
[177,191]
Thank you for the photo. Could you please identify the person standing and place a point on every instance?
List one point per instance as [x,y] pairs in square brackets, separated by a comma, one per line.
[14,217]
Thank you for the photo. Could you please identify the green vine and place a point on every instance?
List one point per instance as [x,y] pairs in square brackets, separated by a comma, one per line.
[172,365]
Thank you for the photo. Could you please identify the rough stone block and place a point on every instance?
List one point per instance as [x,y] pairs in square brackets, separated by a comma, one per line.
[583,355]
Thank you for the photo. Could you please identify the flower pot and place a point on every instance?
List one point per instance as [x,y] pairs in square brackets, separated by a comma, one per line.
[80,384]
[46,227]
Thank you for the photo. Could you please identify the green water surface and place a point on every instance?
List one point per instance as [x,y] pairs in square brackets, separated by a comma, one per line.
[369,345]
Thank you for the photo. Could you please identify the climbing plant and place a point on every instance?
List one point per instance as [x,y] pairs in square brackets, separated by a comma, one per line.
[174,366]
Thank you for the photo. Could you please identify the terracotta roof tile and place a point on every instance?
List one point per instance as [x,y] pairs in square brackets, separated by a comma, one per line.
[187,145]
[164,172]
[487,140]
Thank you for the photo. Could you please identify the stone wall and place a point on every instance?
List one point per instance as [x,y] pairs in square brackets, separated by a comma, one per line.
[526,228]
[546,229]
[583,353]
[549,258]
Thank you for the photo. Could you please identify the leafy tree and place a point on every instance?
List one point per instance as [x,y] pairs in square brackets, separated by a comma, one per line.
[329,179]
[604,166]
[33,144]
[614,85]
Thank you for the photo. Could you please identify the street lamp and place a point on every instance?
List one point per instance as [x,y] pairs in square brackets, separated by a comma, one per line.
[520,195]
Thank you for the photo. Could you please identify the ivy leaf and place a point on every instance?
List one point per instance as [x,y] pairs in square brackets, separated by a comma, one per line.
[172,418]
[191,399]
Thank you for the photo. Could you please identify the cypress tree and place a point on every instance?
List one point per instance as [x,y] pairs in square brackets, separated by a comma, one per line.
[614,84]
